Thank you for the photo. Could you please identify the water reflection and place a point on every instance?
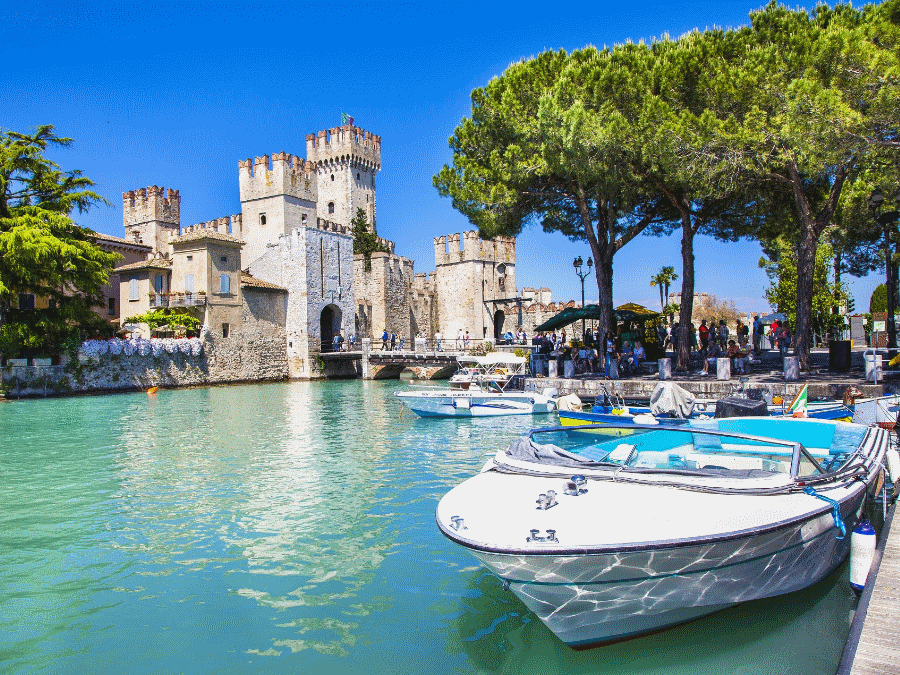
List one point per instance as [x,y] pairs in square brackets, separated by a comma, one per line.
[289,527]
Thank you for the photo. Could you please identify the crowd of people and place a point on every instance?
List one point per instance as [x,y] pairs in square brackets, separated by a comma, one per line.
[623,355]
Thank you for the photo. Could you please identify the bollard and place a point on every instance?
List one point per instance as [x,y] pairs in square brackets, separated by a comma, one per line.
[553,368]
[873,367]
[791,368]
[665,368]
[723,369]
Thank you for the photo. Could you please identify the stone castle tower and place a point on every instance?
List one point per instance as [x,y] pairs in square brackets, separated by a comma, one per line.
[346,160]
[151,216]
[472,288]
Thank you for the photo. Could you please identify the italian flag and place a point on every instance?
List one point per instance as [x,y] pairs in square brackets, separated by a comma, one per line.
[346,119]
[798,405]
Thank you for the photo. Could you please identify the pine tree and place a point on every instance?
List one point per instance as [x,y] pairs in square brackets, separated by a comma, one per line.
[42,251]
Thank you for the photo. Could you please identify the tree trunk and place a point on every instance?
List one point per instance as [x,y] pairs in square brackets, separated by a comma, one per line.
[687,293]
[604,272]
[806,267]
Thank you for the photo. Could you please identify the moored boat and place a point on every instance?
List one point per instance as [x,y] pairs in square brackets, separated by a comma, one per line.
[477,401]
[498,367]
[605,540]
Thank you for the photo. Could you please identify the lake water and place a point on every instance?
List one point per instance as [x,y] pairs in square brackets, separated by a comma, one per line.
[289,528]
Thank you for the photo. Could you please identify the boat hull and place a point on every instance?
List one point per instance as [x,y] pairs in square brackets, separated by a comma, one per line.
[594,598]
[474,404]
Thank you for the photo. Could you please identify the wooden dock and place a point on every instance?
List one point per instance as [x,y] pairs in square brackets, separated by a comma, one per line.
[873,645]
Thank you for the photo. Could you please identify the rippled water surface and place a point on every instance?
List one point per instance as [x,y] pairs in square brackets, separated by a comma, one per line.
[289,528]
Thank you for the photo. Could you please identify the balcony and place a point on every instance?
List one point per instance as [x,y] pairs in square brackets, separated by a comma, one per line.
[187,300]
[158,300]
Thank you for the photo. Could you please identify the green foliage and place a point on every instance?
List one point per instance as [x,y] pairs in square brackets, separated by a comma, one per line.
[42,251]
[176,318]
[364,240]
[878,301]
[663,278]
[781,268]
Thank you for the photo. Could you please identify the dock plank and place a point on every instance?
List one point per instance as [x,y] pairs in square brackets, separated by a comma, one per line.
[878,648]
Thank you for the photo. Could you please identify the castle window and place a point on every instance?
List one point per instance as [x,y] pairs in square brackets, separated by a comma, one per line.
[223,259]
[224,330]
[332,176]
[330,207]
[224,283]
[303,219]
[112,306]
[262,218]
[188,283]
[190,257]
[357,176]
[157,283]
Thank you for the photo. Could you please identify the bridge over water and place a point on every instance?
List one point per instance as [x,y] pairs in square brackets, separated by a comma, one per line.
[425,360]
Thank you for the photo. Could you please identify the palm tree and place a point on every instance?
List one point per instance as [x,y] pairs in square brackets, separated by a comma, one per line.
[663,278]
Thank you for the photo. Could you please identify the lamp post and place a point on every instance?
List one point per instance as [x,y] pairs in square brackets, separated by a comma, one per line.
[582,275]
[887,219]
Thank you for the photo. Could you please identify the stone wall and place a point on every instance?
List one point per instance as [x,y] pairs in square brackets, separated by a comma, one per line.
[254,353]
[386,288]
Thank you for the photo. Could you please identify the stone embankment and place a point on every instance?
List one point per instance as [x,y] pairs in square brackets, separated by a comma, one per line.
[219,361]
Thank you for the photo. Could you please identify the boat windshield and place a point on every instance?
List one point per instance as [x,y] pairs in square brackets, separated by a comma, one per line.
[728,450]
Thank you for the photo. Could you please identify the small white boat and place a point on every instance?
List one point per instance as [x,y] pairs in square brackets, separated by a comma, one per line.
[477,401]
[606,540]
[497,367]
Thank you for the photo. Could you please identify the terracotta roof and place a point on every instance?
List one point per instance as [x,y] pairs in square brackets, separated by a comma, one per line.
[154,264]
[119,240]
[204,233]
[252,282]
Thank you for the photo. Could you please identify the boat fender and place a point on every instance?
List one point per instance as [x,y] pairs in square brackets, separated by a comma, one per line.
[893,464]
[620,411]
[645,418]
[862,550]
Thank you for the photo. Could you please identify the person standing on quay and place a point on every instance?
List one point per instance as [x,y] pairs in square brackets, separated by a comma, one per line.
[393,341]
[459,340]
[757,335]
[466,341]
[437,338]
[384,339]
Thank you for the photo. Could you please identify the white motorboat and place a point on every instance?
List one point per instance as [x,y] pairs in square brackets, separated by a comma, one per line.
[605,540]
[482,400]
[497,367]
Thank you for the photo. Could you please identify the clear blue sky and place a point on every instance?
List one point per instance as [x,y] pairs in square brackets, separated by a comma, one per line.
[175,94]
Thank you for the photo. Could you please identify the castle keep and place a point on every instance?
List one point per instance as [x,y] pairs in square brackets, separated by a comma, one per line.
[281,275]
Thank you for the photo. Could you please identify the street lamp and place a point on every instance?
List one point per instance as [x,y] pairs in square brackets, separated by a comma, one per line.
[875,202]
[582,275]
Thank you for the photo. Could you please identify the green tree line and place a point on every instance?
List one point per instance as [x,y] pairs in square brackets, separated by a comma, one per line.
[777,131]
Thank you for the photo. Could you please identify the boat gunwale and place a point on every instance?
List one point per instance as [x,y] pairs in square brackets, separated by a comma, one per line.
[659,544]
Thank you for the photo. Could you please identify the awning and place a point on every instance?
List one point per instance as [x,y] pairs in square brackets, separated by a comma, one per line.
[629,312]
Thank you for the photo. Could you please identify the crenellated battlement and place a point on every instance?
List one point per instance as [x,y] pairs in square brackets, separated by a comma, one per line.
[285,174]
[328,226]
[346,143]
[468,246]
[225,225]
[152,203]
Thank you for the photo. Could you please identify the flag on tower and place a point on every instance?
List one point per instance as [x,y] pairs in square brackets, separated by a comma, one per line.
[798,405]
[346,119]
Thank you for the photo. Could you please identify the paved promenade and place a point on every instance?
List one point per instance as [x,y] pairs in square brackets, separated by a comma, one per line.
[768,374]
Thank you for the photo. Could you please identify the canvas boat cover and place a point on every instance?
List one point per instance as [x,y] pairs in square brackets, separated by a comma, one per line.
[670,399]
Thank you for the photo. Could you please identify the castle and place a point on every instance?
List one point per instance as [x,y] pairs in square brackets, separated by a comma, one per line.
[281,278]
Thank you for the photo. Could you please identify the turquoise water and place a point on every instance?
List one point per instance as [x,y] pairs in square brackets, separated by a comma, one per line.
[289,528]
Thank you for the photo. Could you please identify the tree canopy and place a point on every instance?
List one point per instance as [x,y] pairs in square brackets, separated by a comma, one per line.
[774,131]
[42,251]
